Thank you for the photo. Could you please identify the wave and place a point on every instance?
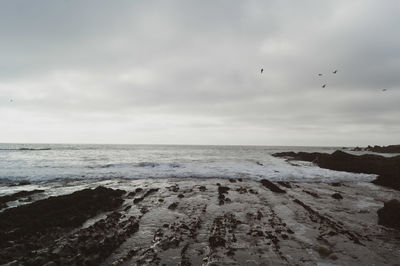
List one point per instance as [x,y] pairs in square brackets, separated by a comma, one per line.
[141,164]
[148,164]
[174,165]
[158,162]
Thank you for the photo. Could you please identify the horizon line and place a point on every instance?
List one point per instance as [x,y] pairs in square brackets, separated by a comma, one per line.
[180,144]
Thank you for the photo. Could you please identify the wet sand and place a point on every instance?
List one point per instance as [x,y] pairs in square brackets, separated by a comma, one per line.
[217,222]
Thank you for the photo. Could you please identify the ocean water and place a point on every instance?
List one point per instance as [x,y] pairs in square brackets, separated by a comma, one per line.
[46,162]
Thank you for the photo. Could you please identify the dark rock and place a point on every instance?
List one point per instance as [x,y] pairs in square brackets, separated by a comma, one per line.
[241,190]
[202,188]
[21,183]
[324,251]
[387,168]
[271,186]
[174,188]
[173,206]
[181,196]
[144,210]
[149,192]
[137,200]
[231,252]
[252,191]
[62,211]
[302,156]
[222,190]
[337,196]
[284,184]
[389,214]
[139,189]
[384,149]
[313,194]
[221,196]
[333,257]
[95,243]
[16,196]
[332,233]
[336,184]
[37,224]
[222,226]
[131,194]
[216,241]
[259,215]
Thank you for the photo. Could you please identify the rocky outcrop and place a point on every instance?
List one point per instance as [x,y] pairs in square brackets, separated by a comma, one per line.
[90,246]
[379,149]
[387,168]
[384,149]
[389,214]
[17,196]
[337,196]
[256,227]
[301,156]
[36,225]
[271,186]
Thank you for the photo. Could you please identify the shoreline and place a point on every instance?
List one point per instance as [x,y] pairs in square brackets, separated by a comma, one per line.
[223,221]
[387,169]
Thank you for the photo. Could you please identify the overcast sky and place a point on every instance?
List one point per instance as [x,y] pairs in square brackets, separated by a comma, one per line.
[188,72]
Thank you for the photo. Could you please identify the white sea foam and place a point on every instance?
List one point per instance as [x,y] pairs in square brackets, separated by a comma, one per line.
[136,161]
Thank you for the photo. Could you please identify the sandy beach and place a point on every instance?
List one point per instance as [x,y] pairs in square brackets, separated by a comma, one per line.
[209,222]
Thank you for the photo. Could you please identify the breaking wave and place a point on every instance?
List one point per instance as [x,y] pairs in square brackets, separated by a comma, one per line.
[79,162]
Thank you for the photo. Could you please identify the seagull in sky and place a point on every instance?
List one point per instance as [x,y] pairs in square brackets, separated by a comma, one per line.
[323,86]
[334,71]
[319,74]
[262,70]
[384,89]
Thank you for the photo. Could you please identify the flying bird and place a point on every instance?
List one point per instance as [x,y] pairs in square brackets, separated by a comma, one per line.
[319,74]
[262,70]
[384,89]
[323,86]
[334,71]
[11,100]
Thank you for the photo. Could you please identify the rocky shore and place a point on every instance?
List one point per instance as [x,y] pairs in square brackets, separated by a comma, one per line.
[387,168]
[203,222]
[380,149]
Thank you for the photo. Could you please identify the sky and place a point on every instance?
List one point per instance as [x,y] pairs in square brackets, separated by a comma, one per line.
[188,72]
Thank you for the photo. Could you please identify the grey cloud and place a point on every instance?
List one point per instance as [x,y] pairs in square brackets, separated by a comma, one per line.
[198,63]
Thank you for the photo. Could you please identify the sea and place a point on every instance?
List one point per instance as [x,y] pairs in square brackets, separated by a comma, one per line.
[50,162]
